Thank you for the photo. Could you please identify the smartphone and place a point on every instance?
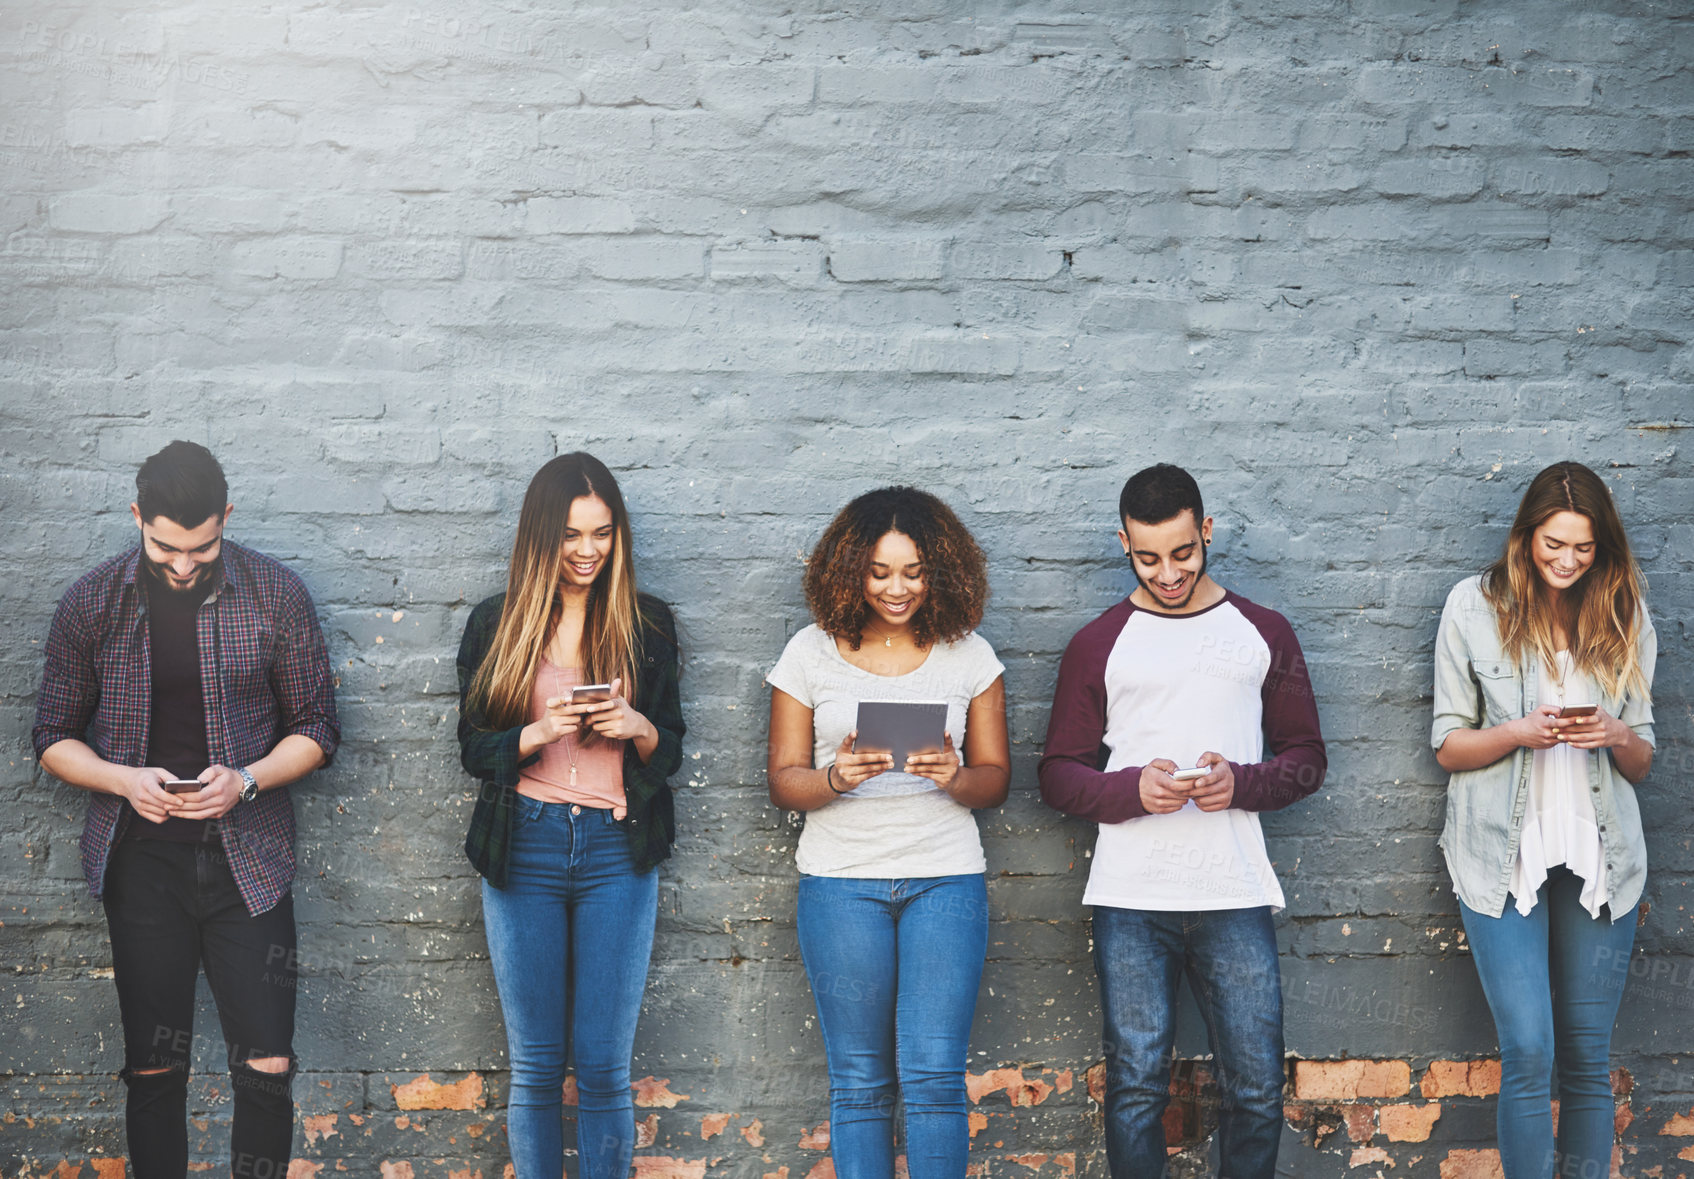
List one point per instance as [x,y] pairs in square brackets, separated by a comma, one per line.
[181,785]
[1190,775]
[591,693]
[1575,711]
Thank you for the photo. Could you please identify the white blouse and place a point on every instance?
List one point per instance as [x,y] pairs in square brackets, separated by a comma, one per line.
[1559,826]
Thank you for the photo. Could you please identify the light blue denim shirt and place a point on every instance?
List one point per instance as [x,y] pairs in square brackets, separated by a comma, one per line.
[1477,686]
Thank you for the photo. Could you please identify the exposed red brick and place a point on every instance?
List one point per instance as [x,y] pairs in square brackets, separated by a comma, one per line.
[1064,1081]
[901,1170]
[1472,1164]
[67,1170]
[824,1168]
[1623,1084]
[303,1169]
[1686,1154]
[1361,1122]
[779,1173]
[107,1168]
[1461,1078]
[656,1166]
[1183,1122]
[400,1170]
[1623,1119]
[978,1121]
[754,1133]
[647,1131]
[1350,1080]
[1364,1156]
[424,1093]
[318,1126]
[1011,1080]
[1408,1123]
[570,1095]
[1066,1163]
[1681,1126]
[817,1138]
[1095,1078]
[713,1124]
[652,1091]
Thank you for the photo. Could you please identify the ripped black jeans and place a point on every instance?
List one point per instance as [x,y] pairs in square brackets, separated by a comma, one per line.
[172,908]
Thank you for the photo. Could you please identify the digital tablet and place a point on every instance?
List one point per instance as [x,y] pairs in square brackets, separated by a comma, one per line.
[901,727]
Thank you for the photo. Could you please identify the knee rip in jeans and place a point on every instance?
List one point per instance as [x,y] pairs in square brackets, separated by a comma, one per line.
[264,1082]
[172,1075]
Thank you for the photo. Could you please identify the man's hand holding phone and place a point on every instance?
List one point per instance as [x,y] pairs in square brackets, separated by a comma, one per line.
[1214,790]
[220,790]
[145,790]
[1165,786]
[1160,793]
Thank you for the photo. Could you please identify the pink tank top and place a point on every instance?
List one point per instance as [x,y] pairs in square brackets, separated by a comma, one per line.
[570,771]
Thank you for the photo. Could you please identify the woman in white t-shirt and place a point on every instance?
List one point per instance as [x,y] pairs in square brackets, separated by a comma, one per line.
[893,912]
[1543,836]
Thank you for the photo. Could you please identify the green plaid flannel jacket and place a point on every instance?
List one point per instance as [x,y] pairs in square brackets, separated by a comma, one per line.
[491,755]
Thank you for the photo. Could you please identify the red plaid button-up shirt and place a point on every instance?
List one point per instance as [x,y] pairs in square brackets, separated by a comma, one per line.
[266,675]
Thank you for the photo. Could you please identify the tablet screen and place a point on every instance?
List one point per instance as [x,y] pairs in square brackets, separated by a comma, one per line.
[901,727]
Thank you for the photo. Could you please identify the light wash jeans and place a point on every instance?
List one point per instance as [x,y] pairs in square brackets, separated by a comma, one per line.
[1553,980]
[570,936]
[895,966]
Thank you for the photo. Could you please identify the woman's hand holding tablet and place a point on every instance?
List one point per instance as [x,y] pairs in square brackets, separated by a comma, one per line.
[852,770]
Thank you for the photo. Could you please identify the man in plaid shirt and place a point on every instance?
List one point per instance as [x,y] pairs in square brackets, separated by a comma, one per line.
[186,685]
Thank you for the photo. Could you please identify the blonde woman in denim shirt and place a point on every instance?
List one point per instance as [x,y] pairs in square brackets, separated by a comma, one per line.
[1543,836]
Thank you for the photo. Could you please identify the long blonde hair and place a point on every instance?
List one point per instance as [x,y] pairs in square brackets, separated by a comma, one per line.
[1604,610]
[611,634]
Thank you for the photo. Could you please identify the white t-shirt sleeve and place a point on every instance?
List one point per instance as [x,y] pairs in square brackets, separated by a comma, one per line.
[985,666]
[792,672]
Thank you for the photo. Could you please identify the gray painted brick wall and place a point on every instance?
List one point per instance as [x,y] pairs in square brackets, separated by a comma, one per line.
[1363,267]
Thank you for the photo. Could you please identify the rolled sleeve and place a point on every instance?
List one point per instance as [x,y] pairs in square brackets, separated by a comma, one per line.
[302,680]
[70,687]
[1637,710]
[1458,704]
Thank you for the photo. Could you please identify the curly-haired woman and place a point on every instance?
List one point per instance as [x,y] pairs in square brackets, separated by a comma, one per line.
[575,812]
[1543,836]
[893,913]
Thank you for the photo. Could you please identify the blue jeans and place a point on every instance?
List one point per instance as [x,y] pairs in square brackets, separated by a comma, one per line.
[894,966]
[1553,981]
[570,936]
[1230,958]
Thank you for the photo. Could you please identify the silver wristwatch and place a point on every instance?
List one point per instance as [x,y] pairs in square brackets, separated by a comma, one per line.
[249,788]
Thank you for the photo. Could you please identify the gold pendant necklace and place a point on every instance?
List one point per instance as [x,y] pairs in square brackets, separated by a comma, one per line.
[570,748]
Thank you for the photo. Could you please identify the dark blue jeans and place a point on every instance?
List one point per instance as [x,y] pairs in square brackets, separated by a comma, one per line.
[895,966]
[570,936]
[1553,981]
[1230,958]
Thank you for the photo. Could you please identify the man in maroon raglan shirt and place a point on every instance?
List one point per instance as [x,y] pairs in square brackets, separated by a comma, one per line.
[1180,713]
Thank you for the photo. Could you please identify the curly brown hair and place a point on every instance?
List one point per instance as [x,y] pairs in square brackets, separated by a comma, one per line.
[954,571]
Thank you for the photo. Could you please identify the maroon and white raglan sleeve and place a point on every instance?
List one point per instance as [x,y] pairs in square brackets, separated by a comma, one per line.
[1298,760]
[1072,781]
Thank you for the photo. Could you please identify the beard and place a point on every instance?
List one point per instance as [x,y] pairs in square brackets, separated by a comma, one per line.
[1171,607]
[161,576]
